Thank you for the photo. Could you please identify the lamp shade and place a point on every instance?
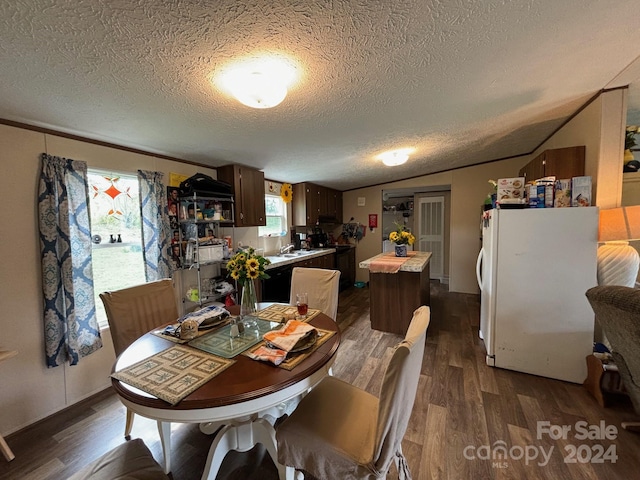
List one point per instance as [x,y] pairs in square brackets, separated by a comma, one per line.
[618,261]
[622,223]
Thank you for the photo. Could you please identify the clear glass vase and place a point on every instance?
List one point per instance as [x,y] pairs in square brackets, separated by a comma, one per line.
[248,301]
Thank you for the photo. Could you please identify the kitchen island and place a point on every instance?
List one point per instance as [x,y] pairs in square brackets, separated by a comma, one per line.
[395,296]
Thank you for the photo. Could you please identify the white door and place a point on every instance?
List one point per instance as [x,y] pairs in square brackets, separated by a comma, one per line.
[430,231]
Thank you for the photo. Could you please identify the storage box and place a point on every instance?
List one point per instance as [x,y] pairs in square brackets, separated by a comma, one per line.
[510,188]
[562,196]
[210,253]
[581,191]
[531,191]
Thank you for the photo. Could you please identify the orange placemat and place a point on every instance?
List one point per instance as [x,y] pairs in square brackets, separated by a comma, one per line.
[389,263]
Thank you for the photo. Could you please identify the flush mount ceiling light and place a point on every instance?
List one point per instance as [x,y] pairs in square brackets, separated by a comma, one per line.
[259,83]
[393,158]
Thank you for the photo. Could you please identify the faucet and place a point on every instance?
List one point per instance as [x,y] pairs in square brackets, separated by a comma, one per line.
[286,248]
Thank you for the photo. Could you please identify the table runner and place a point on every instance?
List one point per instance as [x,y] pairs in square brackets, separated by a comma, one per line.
[389,263]
[294,359]
[174,373]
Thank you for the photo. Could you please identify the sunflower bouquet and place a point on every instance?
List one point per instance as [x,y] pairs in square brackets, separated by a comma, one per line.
[400,236]
[246,265]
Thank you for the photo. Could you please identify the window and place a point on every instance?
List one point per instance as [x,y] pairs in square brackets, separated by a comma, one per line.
[114,206]
[276,211]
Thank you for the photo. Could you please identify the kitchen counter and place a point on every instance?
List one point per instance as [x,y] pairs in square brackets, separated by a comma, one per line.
[416,263]
[296,256]
[395,296]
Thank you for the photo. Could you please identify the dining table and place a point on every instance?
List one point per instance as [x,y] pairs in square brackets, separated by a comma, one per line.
[239,405]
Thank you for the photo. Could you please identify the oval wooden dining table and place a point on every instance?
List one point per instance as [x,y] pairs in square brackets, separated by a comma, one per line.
[245,399]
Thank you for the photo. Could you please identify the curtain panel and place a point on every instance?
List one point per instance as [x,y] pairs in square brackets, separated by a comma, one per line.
[155,225]
[70,324]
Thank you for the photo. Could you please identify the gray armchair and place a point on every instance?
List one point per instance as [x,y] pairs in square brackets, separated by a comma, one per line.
[617,311]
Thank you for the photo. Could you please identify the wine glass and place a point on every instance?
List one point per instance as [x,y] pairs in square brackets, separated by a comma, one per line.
[303,305]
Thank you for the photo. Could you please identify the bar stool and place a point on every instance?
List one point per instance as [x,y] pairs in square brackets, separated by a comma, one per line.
[6,451]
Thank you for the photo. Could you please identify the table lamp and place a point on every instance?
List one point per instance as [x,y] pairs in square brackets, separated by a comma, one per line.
[618,261]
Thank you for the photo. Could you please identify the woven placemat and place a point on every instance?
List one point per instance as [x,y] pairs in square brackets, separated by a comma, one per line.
[294,359]
[282,313]
[174,373]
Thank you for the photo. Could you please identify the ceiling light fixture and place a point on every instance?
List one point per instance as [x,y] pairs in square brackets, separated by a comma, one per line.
[393,158]
[259,83]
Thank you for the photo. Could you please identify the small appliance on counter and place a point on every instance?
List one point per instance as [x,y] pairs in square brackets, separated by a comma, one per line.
[318,240]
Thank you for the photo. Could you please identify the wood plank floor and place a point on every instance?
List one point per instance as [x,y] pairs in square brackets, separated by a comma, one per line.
[463,412]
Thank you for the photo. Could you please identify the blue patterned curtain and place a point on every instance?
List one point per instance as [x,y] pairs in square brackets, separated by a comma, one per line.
[155,225]
[70,324]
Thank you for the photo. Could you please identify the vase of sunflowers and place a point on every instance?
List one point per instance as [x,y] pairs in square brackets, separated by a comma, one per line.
[401,237]
[249,300]
[245,267]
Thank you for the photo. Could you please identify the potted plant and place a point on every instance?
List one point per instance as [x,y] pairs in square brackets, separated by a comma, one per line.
[244,267]
[401,237]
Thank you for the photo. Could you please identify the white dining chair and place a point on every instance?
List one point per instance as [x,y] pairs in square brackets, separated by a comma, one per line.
[341,431]
[133,311]
[322,287]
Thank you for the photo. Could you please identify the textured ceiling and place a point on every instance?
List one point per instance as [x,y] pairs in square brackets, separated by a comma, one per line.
[461,81]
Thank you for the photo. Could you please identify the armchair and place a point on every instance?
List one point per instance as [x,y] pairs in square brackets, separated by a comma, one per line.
[617,310]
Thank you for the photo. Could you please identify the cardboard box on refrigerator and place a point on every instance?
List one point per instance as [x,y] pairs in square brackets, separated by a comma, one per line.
[581,191]
[510,188]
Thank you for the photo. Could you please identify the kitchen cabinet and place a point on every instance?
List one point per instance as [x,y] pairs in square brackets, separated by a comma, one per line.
[558,162]
[247,185]
[325,261]
[278,286]
[345,259]
[334,205]
[314,203]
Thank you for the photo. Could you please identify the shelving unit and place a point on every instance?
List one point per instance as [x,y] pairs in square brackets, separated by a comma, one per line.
[200,247]
[397,210]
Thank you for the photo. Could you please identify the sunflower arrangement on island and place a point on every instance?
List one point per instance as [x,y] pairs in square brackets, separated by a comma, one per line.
[246,265]
[400,236]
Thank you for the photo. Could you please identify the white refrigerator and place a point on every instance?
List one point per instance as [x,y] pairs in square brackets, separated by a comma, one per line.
[533,270]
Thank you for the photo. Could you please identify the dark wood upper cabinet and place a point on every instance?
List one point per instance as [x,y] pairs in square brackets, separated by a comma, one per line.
[248,189]
[561,163]
[314,203]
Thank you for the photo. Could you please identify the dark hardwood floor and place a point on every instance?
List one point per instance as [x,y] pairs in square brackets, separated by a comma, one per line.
[464,412]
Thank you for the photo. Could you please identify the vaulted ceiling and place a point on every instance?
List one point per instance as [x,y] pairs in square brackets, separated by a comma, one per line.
[462,82]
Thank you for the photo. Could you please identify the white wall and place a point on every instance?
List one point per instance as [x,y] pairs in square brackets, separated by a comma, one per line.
[31,391]
[469,188]
[601,128]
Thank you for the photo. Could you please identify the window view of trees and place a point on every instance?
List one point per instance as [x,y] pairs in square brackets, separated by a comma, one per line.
[276,211]
[114,205]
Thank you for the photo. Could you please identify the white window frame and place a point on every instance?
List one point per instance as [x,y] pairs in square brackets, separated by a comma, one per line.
[263,231]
